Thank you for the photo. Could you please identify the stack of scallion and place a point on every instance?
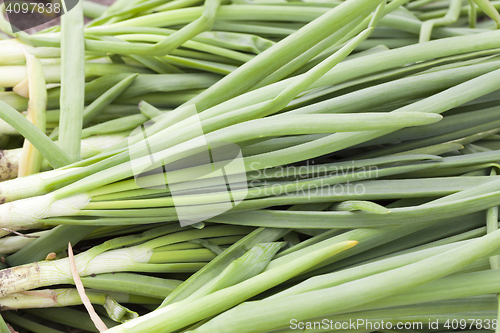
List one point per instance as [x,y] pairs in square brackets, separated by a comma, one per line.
[252,166]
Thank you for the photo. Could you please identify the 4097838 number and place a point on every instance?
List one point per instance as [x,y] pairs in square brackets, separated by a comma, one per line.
[453,324]
[33,7]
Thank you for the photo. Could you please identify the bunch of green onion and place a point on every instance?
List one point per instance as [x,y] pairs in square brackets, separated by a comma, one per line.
[364,135]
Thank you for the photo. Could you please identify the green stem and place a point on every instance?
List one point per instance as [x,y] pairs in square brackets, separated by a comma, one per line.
[30,325]
[56,156]
[3,326]
[72,82]
[243,318]
[31,160]
[451,16]
[472,14]
[216,266]
[178,315]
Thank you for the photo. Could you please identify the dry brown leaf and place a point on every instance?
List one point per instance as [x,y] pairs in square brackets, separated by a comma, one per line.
[99,324]
[11,329]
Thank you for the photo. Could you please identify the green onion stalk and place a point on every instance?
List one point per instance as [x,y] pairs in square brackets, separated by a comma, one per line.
[13,75]
[115,256]
[362,292]
[59,318]
[90,146]
[69,297]
[271,276]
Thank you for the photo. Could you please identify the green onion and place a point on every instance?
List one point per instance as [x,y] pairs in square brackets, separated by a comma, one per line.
[99,260]
[31,160]
[353,293]
[366,136]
